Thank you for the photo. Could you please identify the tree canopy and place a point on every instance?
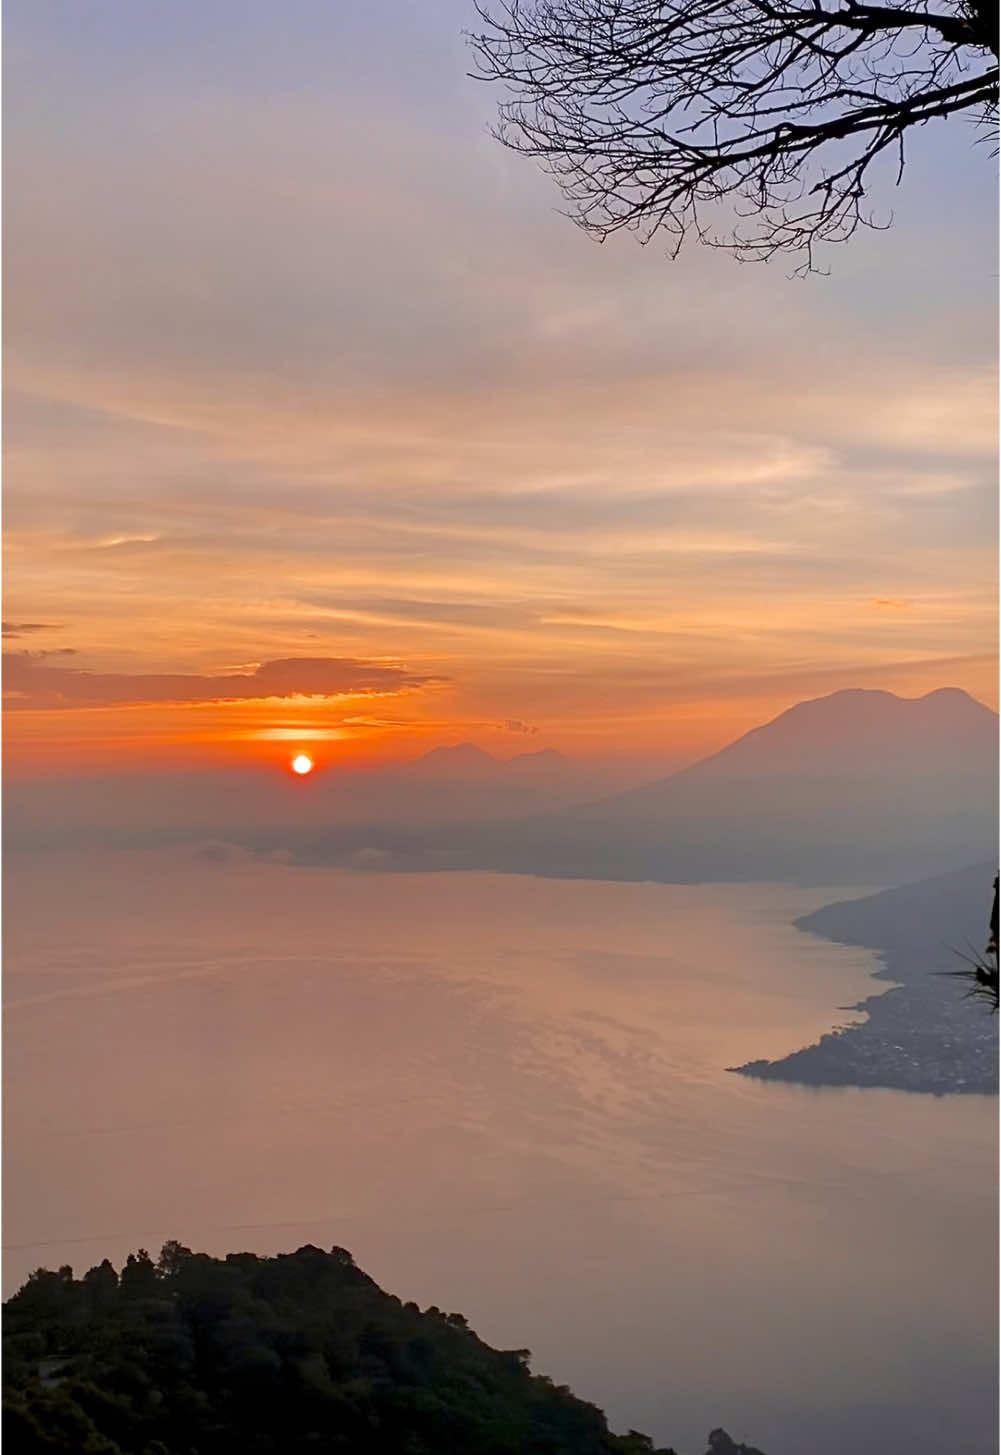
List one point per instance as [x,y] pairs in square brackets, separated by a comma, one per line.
[243,1355]
[759,126]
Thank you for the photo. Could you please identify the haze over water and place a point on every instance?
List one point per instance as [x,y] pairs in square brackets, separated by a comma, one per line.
[508,1097]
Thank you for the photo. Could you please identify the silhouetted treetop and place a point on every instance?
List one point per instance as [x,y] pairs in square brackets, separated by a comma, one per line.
[756,125]
[194,1355]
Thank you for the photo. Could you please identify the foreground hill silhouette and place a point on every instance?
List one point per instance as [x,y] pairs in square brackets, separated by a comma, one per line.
[272,1356]
[855,788]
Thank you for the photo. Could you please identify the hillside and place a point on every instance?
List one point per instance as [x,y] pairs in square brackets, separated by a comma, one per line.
[913,925]
[859,731]
[858,787]
[272,1356]
[926,1034]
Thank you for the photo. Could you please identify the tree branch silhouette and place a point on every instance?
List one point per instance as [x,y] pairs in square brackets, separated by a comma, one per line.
[755,125]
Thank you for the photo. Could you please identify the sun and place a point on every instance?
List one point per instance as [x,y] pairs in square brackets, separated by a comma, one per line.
[302,764]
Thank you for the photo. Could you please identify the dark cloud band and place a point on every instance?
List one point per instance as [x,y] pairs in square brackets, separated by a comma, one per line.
[28,684]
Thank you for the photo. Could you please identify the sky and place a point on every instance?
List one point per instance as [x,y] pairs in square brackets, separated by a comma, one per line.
[326,431]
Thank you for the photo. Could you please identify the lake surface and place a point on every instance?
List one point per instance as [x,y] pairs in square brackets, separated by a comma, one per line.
[507,1097]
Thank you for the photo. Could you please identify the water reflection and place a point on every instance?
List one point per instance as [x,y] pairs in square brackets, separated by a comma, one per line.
[506,1096]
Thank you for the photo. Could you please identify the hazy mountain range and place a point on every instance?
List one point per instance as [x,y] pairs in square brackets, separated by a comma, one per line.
[418,799]
[860,787]
[467,763]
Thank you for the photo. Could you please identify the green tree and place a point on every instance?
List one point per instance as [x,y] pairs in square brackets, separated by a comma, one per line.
[100,1285]
[275,1356]
[172,1256]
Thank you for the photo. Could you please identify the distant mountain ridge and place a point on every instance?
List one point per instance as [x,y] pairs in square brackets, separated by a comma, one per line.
[859,787]
[468,761]
[861,731]
[458,759]
[921,926]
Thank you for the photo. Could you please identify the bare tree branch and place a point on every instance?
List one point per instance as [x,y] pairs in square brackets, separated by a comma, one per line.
[756,125]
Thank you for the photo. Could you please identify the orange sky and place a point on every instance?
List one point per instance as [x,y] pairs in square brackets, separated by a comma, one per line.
[281,393]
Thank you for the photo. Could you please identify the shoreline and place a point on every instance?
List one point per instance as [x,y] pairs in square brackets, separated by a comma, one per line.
[921,1034]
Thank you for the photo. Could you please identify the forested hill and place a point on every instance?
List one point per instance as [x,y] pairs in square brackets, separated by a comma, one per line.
[271,1356]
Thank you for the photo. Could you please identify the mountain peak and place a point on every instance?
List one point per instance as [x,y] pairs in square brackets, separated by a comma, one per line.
[950,694]
[456,760]
[860,730]
[859,787]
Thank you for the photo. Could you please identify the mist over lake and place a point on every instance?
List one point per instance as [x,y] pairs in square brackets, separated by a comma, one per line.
[507,1096]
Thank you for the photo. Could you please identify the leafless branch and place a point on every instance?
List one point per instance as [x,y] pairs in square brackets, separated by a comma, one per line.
[756,125]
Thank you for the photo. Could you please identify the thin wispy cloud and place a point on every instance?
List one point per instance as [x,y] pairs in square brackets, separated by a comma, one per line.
[28,628]
[326,396]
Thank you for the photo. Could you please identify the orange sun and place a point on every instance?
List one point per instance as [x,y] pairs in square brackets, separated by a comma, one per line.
[302,764]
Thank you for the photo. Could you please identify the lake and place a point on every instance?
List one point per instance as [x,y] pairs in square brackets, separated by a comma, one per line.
[507,1096]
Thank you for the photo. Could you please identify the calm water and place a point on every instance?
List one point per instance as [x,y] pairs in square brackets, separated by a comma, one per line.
[507,1097]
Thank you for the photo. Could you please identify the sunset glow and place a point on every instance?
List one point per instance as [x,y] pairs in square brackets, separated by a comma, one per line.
[400,498]
[499,730]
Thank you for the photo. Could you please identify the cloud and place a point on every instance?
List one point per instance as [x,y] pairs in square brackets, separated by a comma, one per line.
[116,543]
[550,466]
[29,684]
[515,725]
[28,628]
